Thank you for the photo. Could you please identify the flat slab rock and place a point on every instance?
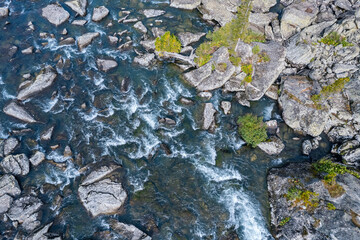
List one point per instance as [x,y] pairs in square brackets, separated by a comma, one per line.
[149,13]
[208,116]
[86,39]
[128,231]
[78,6]
[106,64]
[99,13]
[19,112]
[185,4]
[55,14]
[16,164]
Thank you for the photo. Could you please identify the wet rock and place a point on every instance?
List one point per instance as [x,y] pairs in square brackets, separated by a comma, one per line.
[301,54]
[306,147]
[186,101]
[242,99]
[204,79]
[149,13]
[297,16]
[37,158]
[208,117]
[99,13]
[167,121]
[67,152]
[113,40]
[145,60]
[4,12]
[341,133]
[166,148]
[16,164]
[28,50]
[125,83]
[185,4]
[25,211]
[222,13]
[128,231]
[78,6]
[226,106]
[17,111]
[106,64]
[187,38]
[140,27]
[44,80]
[47,134]
[9,145]
[149,45]
[79,22]
[101,192]
[263,5]
[85,40]
[271,126]
[67,41]
[55,14]
[126,46]
[273,92]
[272,147]
[299,112]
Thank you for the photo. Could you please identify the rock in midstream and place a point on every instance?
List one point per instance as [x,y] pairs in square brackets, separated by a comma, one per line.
[85,40]
[44,80]
[185,4]
[272,147]
[128,231]
[16,164]
[149,13]
[78,6]
[101,192]
[9,145]
[106,64]
[17,111]
[99,13]
[55,14]
[209,117]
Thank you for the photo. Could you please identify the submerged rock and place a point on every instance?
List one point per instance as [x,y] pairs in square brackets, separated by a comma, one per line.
[17,111]
[101,192]
[106,64]
[44,80]
[55,14]
[128,231]
[185,4]
[16,164]
[272,147]
[78,6]
[99,13]
[209,117]
[149,13]
[85,40]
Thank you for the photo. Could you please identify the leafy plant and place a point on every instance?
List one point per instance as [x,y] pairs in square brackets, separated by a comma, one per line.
[331,206]
[248,69]
[167,43]
[252,129]
[256,49]
[284,221]
[335,39]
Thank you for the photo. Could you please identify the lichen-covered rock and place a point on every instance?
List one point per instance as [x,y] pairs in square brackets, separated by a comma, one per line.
[106,64]
[299,111]
[15,164]
[101,192]
[17,111]
[272,147]
[44,80]
[99,13]
[55,14]
[86,39]
[78,6]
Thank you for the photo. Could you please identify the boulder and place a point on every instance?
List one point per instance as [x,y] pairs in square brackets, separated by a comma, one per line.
[306,147]
[145,60]
[26,212]
[9,145]
[55,14]
[208,117]
[341,133]
[78,6]
[101,192]
[46,135]
[67,41]
[37,158]
[44,80]
[79,22]
[297,16]
[265,73]
[263,5]
[106,64]
[187,38]
[272,147]
[85,40]
[222,12]
[17,111]
[226,106]
[16,164]
[205,79]
[299,111]
[99,13]
[128,231]
[185,4]
[113,40]
[300,54]
[149,13]
[4,12]
[9,188]
[140,27]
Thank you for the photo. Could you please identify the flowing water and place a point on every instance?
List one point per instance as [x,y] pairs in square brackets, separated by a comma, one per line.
[205,185]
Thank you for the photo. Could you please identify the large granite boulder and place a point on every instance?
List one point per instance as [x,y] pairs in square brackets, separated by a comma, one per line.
[101,192]
[86,39]
[299,111]
[272,147]
[17,111]
[78,6]
[44,80]
[9,188]
[55,14]
[185,4]
[99,13]
[209,117]
[209,76]
[303,208]
[16,164]
[222,11]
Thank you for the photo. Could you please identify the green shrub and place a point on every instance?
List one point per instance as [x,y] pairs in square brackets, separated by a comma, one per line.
[331,206]
[335,39]
[252,129]
[248,69]
[302,197]
[284,221]
[256,49]
[221,67]
[235,60]
[168,43]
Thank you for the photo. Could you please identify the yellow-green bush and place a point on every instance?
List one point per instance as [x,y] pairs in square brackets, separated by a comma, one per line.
[252,129]
[168,43]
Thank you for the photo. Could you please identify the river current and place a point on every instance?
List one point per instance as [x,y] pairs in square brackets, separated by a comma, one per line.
[182,182]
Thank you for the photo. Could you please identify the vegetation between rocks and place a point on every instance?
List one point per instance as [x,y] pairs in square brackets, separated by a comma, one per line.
[252,129]
[248,69]
[335,39]
[167,43]
[284,221]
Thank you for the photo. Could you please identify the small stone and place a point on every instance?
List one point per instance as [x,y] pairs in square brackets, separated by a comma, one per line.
[306,147]
[46,135]
[37,158]
[28,50]
[208,116]
[140,26]
[206,95]
[186,101]
[226,106]
[64,31]
[149,13]
[113,40]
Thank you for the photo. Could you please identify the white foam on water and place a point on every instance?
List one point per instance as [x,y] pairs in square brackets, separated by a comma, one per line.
[219,174]
[267,112]
[1,81]
[6,95]
[137,179]
[63,178]
[146,145]
[150,119]
[115,141]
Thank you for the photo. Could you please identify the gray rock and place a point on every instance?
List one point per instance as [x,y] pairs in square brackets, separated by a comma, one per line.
[16,164]
[42,234]
[299,111]
[140,26]
[244,51]
[4,12]
[271,126]
[263,5]
[113,40]
[340,68]
[206,95]
[9,185]
[187,38]
[226,106]
[55,14]
[99,13]
[185,4]
[272,147]
[102,192]
[25,211]
[204,79]
[301,54]
[67,41]
[6,201]
[85,40]
[222,13]
[343,4]
[37,158]
[106,64]
[79,22]
[242,99]
[167,121]
[28,50]
[341,133]
[351,156]
[265,73]
[149,45]
[44,80]
[9,145]
[127,231]
[149,13]
[17,111]
[208,116]
[273,92]
[47,134]
[297,16]
[176,57]
[306,147]
[78,6]
[186,101]
[145,60]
